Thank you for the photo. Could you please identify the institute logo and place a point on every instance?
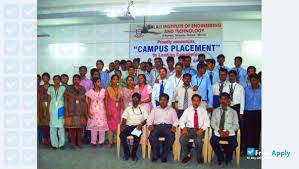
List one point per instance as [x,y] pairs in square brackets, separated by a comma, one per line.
[138,33]
[250,151]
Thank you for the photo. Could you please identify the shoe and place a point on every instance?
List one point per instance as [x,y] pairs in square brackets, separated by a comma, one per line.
[62,147]
[100,145]
[154,159]
[94,146]
[228,162]
[109,145]
[164,160]
[54,148]
[126,157]
[134,158]
[199,160]
[219,162]
[186,159]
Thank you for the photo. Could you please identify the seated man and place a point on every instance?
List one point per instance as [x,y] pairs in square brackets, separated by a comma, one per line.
[133,116]
[224,122]
[162,122]
[194,122]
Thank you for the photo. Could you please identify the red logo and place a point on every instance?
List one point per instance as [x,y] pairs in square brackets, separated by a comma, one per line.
[138,33]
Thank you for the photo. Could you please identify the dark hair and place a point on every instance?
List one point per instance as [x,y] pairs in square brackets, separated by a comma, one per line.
[122,62]
[76,75]
[164,95]
[143,63]
[46,74]
[212,61]
[201,65]
[136,60]
[179,64]
[84,67]
[131,67]
[163,68]
[222,70]
[111,63]
[96,79]
[182,57]
[196,95]
[170,59]
[114,76]
[158,59]
[225,94]
[220,56]
[254,75]
[251,67]
[187,74]
[116,61]
[136,95]
[38,76]
[202,55]
[129,61]
[187,57]
[117,71]
[143,77]
[259,74]
[129,77]
[64,75]
[239,57]
[149,63]
[101,62]
[57,76]
[93,70]
[232,71]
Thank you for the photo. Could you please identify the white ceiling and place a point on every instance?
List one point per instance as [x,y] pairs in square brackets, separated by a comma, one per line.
[69,12]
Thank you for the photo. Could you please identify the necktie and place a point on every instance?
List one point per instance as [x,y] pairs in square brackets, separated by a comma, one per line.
[186,99]
[222,120]
[238,75]
[221,88]
[161,88]
[211,77]
[195,120]
[231,92]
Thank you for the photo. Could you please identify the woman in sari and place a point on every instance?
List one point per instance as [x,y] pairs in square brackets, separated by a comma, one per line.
[75,110]
[43,109]
[56,101]
[113,105]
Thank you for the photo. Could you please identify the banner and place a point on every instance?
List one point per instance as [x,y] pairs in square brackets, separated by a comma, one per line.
[175,39]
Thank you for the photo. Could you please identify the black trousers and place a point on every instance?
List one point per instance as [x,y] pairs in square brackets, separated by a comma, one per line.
[123,137]
[180,113]
[252,129]
[237,108]
[228,149]
[161,130]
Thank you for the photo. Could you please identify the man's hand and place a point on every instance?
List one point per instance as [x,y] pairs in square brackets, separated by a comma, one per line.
[150,128]
[185,132]
[221,133]
[173,129]
[122,127]
[199,132]
[210,109]
[240,117]
[195,88]
[139,127]
[226,133]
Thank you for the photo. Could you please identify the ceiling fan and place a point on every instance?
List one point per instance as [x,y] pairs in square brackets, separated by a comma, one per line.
[43,35]
[146,28]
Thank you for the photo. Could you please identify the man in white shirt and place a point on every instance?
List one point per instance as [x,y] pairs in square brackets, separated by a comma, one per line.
[194,122]
[163,86]
[134,117]
[219,86]
[154,74]
[184,94]
[177,78]
[224,122]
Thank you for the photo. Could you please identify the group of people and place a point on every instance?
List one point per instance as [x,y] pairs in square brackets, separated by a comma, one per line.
[134,94]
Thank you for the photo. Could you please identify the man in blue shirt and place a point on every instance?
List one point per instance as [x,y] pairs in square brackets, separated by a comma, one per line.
[241,72]
[220,60]
[187,66]
[211,72]
[250,70]
[252,113]
[163,86]
[104,76]
[202,84]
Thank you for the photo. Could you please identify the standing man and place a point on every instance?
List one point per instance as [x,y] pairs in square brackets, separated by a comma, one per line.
[220,60]
[246,82]
[212,73]
[94,74]
[102,75]
[147,72]
[162,122]
[202,84]
[201,58]
[219,86]
[123,69]
[111,69]
[133,117]
[154,75]
[194,122]
[85,82]
[224,122]
[241,72]
[252,114]
[183,94]
[170,63]
[116,64]
[64,80]
[181,60]
[136,63]
[164,85]
[187,66]
[177,78]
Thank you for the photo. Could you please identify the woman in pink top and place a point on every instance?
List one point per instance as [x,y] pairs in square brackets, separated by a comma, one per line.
[145,90]
[97,121]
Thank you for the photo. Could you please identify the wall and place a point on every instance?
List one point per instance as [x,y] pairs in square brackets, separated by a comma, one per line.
[84,44]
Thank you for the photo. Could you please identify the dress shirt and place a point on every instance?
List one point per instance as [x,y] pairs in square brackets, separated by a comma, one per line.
[180,94]
[245,83]
[231,122]
[86,83]
[104,79]
[218,67]
[134,116]
[124,74]
[176,82]
[215,75]
[169,73]
[168,89]
[147,76]
[204,85]
[242,73]
[190,71]
[163,116]
[153,76]
[187,119]
[253,100]
[216,87]
[111,73]
[238,95]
